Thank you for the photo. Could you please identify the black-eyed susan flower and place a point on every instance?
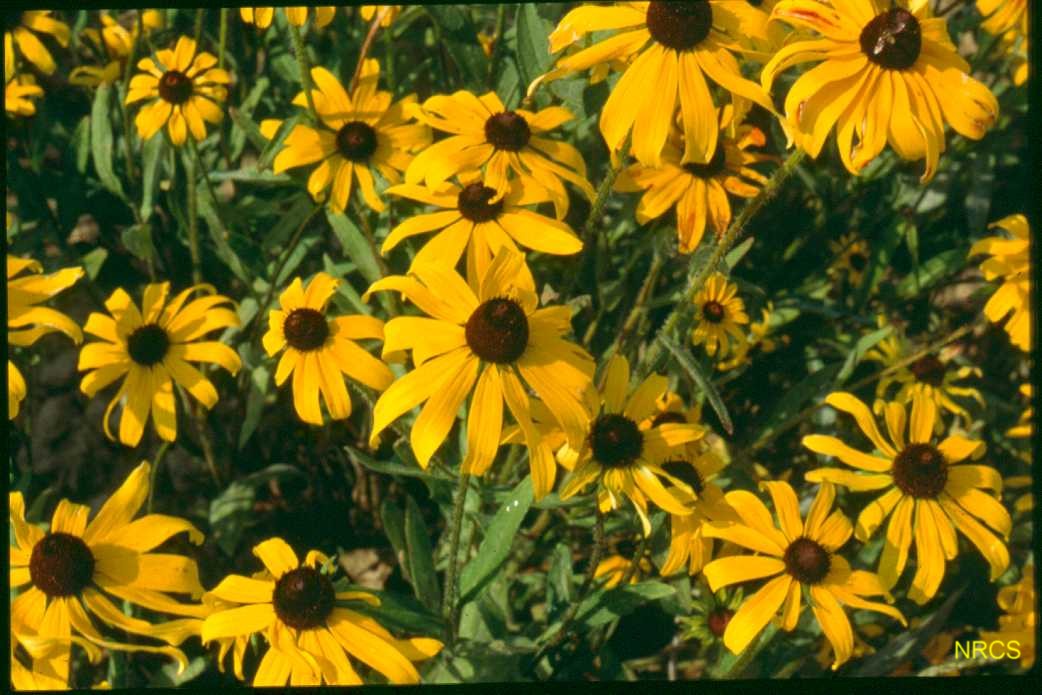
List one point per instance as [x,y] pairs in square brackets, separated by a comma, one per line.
[1009,19]
[695,463]
[710,615]
[27,321]
[309,634]
[1018,625]
[20,34]
[19,92]
[67,574]
[759,341]
[469,220]
[850,258]
[320,350]
[887,75]
[674,46]
[359,133]
[261,17]
[1009,260]
[928,495]
[152,348]
[490,333]
[484,134]
[185,87]
[698,192]
[390,13]
[114,42]
[934,376]
[798,554]
[718,313]
[623,458]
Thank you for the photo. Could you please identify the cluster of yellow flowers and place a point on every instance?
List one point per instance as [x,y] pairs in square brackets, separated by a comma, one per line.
[483,339]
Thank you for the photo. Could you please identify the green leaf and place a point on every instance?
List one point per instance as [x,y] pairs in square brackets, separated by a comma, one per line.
[93,261]
[857,353]
[393,519]
[101,141]
[930,273]
[208,211]
[737,253]
[231,512]
[151,155]
[559,580]
[702,379]
[533,44]
[391,467]
[458,36]
[81,144]
[138,240]
[795,398]
[258,390]
[611,604]
[355,245]
[495,546]
[421,557]
[396,612]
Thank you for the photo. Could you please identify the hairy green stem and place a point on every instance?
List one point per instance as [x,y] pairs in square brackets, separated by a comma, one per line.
[193,218]
[448,600]
[222,41]
[154,474]
[699,275]
[305,66]
[198,33]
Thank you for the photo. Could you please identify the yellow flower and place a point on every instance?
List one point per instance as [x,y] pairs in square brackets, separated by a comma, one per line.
[309,634]
[470,220]
[851,258]
[320,350]
[489,332]
[676,46]
[360,133]
[19,91]
[927,495]
[888,75]
[367,12]
[1009,19]
[483,133]
[718,311]
[1010,260]
[27,322]
[185,89]
[1018,625]
[698,192]
[261,17]
[18,31]
[758,342]
[624,452]
[614,567]
[115,43]
[929,375]
[150,347]
[803,554]
[70,569]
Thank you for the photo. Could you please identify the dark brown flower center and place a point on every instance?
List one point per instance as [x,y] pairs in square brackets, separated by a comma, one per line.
[717,621]
[507,131]
[616,440]
[61,565]
[148,344]
[473,203]
[685,471]
[712,168]
[928,370]
[356,141]
[807,561]
[303,598]
[175,87]
[892,39]
[858,261]
[920,471]
[713,311]
[497,331]
[669,417]
[306,329]
[680,25]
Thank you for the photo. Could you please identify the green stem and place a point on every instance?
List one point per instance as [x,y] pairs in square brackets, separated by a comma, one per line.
[305,66]
[448,601]
[638,305]
[389,61]
[367,43]
[599,201]
[193,219]
[155,474]
[635,561]
[699,275]
[198,33]
[584,590]
[222,41]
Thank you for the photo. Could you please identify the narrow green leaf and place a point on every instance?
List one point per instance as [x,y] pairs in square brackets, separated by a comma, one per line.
[258,390]
[355,245]
[81,144]
[457,34]
[702,380]
[421,557]
[93,261]
[533,45]
[101,141]
[138,240]
[218,235]
[496,544]
[151,156]
[607,605]
[796,397]
[931,272]
[857,353]
[396,611]
[559,580]
[737,253]
[393,519]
